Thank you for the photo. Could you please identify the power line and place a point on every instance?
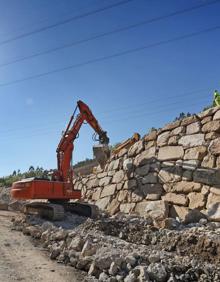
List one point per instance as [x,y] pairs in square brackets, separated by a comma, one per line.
[39,21]
[63,22]
[108,33]
[144,102]
[125,118]
[115,55]
[135,110]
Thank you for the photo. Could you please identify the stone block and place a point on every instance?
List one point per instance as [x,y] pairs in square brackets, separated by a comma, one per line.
[212,199]
[113,207]
[108,190]
[176,199]
[196,200]
[193,128]
[150,178]
[211,136]
[105,181]
[162,139]
[205,176]
[206,119]
[137,196]
[130,184]
[188,120]
[122,195]
[92,183]
[215,190]
[187,175]
[173,140]
[170,153]
[205,190]
[190,164]
[211,126]
[216,115]
[179,211]
[196,153]
[214,147]
[209,161]
[179,130]
[145,156]
[192,140]
[103,203]
[208,112]
[152,189]
[150,144]
[127,208]
[213,212]
[143,170]
[118,176]
[151,136]
[96,194]
[136,148]
[171,126]
[153,197]
[157,210]
[170,174]
[185,187]
[128,164]
[122,152]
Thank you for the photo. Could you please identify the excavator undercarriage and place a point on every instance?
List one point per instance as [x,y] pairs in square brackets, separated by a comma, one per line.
[56,211]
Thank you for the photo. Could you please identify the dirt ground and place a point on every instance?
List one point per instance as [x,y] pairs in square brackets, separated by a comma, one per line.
[20,260]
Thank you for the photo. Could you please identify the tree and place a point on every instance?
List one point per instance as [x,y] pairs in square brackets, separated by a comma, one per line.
[31,168]
[182,115]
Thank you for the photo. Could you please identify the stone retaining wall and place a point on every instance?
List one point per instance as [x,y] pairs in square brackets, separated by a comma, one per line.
[167,173]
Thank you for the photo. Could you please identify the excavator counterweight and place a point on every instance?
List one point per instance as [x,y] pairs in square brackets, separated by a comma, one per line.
[59,191]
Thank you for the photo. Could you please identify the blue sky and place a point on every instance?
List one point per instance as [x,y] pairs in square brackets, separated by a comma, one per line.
[127,94]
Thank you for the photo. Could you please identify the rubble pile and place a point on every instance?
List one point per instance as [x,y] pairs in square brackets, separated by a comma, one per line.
[4,198]
[130,248]
[168,173]
[7,203]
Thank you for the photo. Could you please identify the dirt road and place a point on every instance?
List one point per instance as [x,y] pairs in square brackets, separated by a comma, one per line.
[20,260]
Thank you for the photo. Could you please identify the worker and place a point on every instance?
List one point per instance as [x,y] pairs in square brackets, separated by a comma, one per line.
[216,101]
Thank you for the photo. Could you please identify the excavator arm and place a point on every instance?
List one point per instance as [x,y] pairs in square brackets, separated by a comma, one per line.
[65,146]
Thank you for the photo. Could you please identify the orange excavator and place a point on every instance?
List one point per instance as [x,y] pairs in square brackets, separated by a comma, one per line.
[59,189]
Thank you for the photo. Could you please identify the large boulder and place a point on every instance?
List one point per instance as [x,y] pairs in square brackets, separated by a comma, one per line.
[157,210]
[213,212]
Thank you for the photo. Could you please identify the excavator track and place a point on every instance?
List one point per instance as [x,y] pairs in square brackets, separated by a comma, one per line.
[49,211]
[56,211]
[83,209]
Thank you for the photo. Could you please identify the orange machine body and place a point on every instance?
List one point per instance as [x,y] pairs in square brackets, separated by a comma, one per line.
[32,188]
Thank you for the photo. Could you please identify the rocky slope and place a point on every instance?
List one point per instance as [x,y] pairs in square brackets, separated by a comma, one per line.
[130,248]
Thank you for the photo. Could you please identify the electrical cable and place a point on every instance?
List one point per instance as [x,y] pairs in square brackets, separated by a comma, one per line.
[108,33]
[63,22]
[164,109]
[133,106]
[114,55]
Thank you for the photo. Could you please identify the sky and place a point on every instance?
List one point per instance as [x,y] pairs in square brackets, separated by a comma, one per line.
[127,91]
